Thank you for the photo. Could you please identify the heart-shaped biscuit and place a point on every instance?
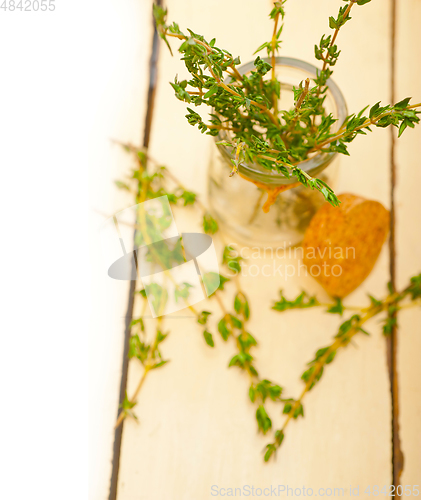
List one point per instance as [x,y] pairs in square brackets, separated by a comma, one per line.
[342,244]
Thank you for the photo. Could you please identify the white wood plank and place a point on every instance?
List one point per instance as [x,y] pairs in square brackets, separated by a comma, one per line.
[123,36]
[197,427]
[408,237]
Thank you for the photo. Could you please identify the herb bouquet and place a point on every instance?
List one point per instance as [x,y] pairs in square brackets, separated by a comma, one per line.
[272,147]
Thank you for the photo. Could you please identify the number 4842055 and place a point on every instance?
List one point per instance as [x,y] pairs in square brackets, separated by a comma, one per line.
[392,491]
[28,5]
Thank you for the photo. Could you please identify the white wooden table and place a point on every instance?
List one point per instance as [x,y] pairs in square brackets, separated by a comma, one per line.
[197,426]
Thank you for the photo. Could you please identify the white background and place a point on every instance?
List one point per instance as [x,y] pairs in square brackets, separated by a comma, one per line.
[59,84]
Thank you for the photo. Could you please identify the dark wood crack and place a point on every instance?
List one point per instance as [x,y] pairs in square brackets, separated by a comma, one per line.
[392,340]
[153,76]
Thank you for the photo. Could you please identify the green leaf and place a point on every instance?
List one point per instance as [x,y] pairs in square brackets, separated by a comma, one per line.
[241,359]
[231,259]
[158,296]
[210,226]
[330,357]
[374,301]
[246,340]
[332,23]
[161,363]
[374,110]
[402,128]
[402,104]
[337,308]
[160,337]
[213,281]
[127,404]
[287,408]
[252,371]
[262,66]
[223,329]
[237,304]
[261,47]
[137,321]
[275,392]
[270,450]
[182,291]
[211,91]
[320,352]
[236,323]
[203,317]
[122,185]
[279,437]
[138,349]
[303,301]
[208,338]
[252,393]
[263,421]
[235,360]
[246,310]
[299,410]
[414,289]
[363,331]
[189,197]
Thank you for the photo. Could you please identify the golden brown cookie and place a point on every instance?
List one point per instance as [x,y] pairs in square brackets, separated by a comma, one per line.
[342,244]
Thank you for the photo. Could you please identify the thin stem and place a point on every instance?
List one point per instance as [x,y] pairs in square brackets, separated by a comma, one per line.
[332,42]
[349,308]
[273,61]
[318,366]
[341,341]
[298,105]
[135,150]
[367,123]
[302,97]
[148,367]
[221,127]
[220,83]
[208,48]
[236,72]
[414,106]
[280,162]
[325,59]
[123,415]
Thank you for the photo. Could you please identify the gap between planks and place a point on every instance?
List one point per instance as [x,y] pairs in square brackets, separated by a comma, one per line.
[392,340]
[153,73]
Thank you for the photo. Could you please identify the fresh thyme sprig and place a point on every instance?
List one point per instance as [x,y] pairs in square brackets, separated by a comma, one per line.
[327,51]
[149,183]
[245,107]
[347,330]
[272,48]
[231,325]
[148,354]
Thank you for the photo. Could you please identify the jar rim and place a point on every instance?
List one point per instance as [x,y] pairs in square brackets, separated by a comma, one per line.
[312,165]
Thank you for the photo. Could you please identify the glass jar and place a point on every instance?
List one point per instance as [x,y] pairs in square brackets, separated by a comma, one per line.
[237,202]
